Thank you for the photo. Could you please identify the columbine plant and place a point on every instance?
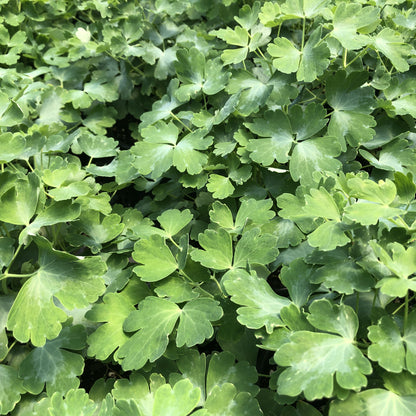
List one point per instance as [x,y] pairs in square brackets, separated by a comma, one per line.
[207,208]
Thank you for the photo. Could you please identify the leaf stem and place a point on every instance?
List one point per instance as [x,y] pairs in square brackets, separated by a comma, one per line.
[357,56]
[303,33]
[219,286]
[180,121]
[9,349]
[5,276]
[13,258]
[406,311]
[344,57]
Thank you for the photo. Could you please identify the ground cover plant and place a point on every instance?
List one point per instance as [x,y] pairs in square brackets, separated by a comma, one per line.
[207,207]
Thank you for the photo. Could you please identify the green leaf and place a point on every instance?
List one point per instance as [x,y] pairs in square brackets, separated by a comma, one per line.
[218,250]
[297,278]
[303,8]
[173,221]
[328,236]
[321,204]
[198,75]
[75,283]
[314,155]
[276,141]
[254,91]
[195,321]
[175,289]
[338,319]
[386,346]
[255,248]
[220,186]
[313,360]
[75,403]
[97,146]
[238,37]
[6,251]
[223,369]
[10,112]
[11,388]
[226,400]
[343,277]
[156,258]
[153,321]
[352,104]
[349,18]
[179,401]
[53,365]
[55,213]
[18,204]
[113,311]
[392,45]
[92,231]
[221,215]
[11,146]
[375,402]
[261,306]
[369,213]
[287,56]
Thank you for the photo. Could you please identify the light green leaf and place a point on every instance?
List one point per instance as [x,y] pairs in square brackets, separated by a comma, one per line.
[254,91]
[349,18]
[227,401]
[187,156]
[320,204]
[11,146]
[175,289]
[75,283]
[338,319]
[287,56]
[113,311]
[221,215]
[173,221]
[156,258]
[75,403]
[328,236]
[255,248]
[315,58]
[56,212]
[261,306]
[370,213]
[153,321]
[382,192]
[223,369]
[195,321]
[256,212]
[18,204]
[220,186]
[11,388]
[6,251]
[218,250]
[303,8]
[10,112]
[53,365]
[179,401]
[392,45]
[375,402]
[313,360]
[97,146]
[314,155]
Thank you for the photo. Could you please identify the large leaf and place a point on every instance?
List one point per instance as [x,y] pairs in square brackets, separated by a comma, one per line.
[260,306]
[75,283]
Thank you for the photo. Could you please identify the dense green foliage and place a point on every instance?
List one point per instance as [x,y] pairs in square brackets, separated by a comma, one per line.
[207,207]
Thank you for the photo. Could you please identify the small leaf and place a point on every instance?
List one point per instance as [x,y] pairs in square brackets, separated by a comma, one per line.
[156,258]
